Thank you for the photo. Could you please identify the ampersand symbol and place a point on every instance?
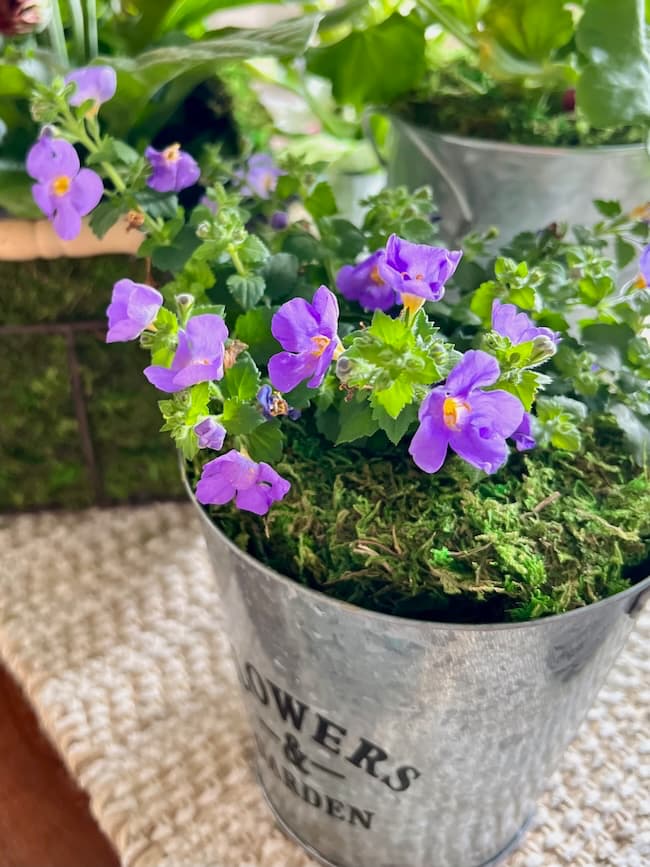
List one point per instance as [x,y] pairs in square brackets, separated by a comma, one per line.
[294,754]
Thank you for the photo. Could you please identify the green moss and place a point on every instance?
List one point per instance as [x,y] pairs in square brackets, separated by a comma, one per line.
[61,290]
[550,533]
[42,457]
[39,442]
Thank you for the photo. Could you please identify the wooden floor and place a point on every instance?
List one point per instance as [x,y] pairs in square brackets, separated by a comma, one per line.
[44,817]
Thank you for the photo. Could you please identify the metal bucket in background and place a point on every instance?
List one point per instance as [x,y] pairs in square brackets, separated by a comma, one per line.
[387,742]
[479,184]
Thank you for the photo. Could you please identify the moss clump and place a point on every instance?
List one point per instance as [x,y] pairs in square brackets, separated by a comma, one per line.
[42,457]
[551,532]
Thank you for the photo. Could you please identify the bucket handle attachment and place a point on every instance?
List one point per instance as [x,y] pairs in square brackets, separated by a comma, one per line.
[432,158]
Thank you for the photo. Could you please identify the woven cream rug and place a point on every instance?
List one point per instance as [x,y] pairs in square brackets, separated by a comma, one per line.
[111,622]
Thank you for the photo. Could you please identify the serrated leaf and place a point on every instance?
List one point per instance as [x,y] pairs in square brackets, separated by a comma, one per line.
[356,421]
[242,380]
[524,385]
[392,332]
[240,418]
[394,398]
[281,275]
[254,251]
[254,329]
[395,428]
[246,291]
[265,442]
[105,215]
[321,202]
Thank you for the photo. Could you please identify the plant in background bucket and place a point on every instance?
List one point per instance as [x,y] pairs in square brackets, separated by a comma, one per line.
[436,438]
[482,85]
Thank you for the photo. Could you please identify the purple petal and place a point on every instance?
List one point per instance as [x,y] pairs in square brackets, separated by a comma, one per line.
[123,331]
[327,310]
[322,364]
[98,83]
[86,191]
[51,157]
[197,372]
[214,489]
[206,334]
[644,264]
[286,371]
[66,222]
[479,447]
[268,488]
[499,410]
[187,172]
[143,302]
[475,369]
[162,378]
[44,199]
[429,444]
[294,324]
[364,283]
[523,437]
[210,434]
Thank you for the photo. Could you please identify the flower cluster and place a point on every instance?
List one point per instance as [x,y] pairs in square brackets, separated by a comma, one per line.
[249,337]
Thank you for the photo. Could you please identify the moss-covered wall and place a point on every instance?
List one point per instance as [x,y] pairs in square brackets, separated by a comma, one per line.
[42,456]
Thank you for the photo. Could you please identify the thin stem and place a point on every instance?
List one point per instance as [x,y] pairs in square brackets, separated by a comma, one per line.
[91,28]
[450,24]
[237,262]
[78,29]
[57,35]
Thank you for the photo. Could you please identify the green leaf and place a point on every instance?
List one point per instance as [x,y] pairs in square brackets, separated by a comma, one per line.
[523,384]
[395,428]
[254,329]
[609,344]
[163,205]
[281,275]
[392,332]
[163,342]
[253,251]
[173,257]
[265,442]
[356,421]
[608,207]
[242,380]
[240,418]
[374,65]
[636,430]
[625,252]
[321,202]
[614,87]
[246,291]
[105,215]
[529,29]
[141,76]
[394,398]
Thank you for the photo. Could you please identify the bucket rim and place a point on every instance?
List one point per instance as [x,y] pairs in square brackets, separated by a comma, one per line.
[529,149]
[636,590]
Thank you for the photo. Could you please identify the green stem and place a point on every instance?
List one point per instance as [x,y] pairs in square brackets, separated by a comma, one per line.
[57,35]
[78,30]
[237,262]
[91,28]
[451,25]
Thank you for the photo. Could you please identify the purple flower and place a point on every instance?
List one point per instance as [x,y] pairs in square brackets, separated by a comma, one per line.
[523,437]
[198,358]
[308,333]
[475,423]
[173,169]
[261,176]
[210,433]
[133,308]
[254,487]
[644,266]
[417,271]
[64,193]
[273,405]
[279,220]
[509,322]
[98,83]
[364,283]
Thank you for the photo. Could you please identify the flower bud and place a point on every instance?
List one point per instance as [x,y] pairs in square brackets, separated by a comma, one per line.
[184,303]
[344,368]
[203,230]
[543,348]
[19,17]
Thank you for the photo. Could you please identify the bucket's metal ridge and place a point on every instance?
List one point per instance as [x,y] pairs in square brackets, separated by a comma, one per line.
[478,183]
[387,742]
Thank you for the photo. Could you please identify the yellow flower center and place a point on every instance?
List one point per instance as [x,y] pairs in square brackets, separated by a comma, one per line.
[320,343]
[454,411]
[61,185]
[172,153]
[640,282]
[412,303]
[375,276]
[642,212]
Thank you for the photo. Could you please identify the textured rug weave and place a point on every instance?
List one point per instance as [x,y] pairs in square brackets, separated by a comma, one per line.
[111,622]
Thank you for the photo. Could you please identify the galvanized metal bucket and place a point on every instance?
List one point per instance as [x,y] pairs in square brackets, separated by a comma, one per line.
[479,184]
[386,742]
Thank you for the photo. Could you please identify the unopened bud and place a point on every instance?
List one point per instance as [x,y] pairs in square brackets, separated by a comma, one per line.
[135,219]
[203,230]
[344,368]
[543,347]
[184,302]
